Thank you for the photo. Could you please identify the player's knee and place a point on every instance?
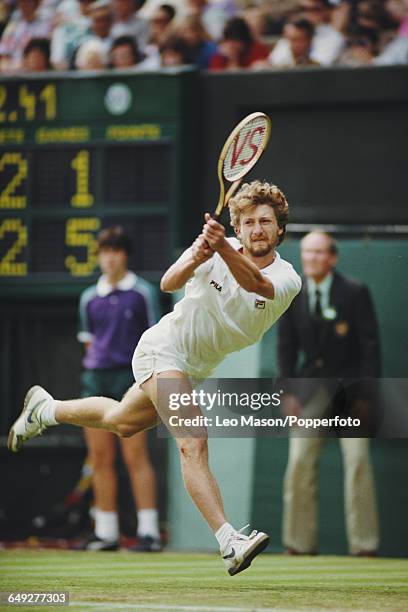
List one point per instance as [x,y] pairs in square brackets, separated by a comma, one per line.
[193,449]
[114,421]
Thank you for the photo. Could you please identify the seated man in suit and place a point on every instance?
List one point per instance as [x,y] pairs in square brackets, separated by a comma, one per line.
[329,333]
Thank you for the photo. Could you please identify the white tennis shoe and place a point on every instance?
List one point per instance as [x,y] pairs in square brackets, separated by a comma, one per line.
[29,423]
[240,550]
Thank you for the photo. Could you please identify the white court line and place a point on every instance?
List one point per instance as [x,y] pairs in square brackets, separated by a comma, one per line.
[123,606]
[176,608]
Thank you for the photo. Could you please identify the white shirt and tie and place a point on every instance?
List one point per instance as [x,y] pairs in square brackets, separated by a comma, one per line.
[321,289]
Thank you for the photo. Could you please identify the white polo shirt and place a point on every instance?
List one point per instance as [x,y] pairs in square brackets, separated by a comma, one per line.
[217,316]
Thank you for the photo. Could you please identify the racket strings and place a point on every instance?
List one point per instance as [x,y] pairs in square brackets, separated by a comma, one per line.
[245,148]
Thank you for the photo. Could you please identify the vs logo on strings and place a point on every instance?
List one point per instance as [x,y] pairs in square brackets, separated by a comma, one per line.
[248,141]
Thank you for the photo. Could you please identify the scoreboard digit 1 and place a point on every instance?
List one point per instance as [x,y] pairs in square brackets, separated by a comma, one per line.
[78,154]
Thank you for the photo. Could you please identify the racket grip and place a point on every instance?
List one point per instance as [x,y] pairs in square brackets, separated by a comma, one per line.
[216,217]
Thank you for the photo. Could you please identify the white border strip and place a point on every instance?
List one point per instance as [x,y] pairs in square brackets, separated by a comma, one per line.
[141,606]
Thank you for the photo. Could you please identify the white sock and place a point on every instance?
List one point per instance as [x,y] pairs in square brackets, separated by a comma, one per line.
[148,523]
[106,525]
[223,534]
[48,413]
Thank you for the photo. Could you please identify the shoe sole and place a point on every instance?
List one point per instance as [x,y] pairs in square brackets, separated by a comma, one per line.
[252,553]
[14,441]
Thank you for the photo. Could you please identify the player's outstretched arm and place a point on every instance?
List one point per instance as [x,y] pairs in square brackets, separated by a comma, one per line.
[245,272]
[183,269]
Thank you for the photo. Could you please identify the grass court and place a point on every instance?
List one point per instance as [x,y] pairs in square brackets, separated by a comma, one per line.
[198,582]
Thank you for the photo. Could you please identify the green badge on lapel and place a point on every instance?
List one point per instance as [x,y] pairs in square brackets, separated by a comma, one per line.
[329,313]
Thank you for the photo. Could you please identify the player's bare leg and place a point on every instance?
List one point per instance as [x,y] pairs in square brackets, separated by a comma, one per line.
[198,479]
[134,413]
[137,412]
[237,550]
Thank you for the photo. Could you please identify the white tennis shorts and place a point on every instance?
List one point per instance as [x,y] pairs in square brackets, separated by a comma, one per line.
[147,361]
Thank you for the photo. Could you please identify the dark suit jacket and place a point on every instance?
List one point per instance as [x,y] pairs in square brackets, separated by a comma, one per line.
[346,347]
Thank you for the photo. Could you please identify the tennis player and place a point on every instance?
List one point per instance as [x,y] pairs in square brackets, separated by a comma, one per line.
[235,290]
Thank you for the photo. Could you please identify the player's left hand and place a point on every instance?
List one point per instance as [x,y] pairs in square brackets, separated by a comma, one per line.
[214,233]
[201,250]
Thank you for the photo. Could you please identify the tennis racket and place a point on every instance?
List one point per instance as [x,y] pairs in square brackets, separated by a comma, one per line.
[242,149]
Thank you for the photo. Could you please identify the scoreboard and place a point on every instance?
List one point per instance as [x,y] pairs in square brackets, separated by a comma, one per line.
[78,154]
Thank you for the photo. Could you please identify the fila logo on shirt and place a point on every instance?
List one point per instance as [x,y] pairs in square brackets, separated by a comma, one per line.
[216,285]
[260,304]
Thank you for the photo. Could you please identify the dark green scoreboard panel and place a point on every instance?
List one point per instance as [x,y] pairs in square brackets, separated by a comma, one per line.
[78,154]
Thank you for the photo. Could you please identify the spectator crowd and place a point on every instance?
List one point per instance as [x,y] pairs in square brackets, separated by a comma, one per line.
[40,35]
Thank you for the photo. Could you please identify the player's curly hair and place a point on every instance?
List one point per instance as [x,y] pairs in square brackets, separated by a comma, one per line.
[255,193]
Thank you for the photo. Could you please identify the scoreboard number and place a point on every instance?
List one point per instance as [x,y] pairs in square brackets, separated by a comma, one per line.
[80,164]
[49,96]
[8,199]
[28,103]
[8,264]
[80,232]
